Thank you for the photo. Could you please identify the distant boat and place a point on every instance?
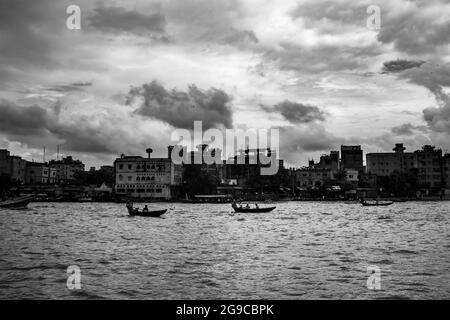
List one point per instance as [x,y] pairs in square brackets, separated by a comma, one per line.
[375,203]
[21,202]
[251,210]
[136,212]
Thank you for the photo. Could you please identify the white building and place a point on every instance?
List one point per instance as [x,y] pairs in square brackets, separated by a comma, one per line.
[140,177]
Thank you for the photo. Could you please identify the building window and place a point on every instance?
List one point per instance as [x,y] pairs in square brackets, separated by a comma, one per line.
[129,178]
[130,167]
[120,166]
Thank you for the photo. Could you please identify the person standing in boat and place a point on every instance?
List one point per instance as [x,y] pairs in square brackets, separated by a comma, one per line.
[145,208]
[129,204]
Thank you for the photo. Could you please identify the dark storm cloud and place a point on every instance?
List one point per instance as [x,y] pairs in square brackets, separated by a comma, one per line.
[297,112]
[344,13]
[117,19]
[312,137]
[180,109]
[400,65]
[232,37]
[26,31]
[434,76]
[77,86]
[82,84]
[321,58]
[83,139]
[237,37]
[211,21]
[29,123]
[416,31]
[408,129]
[415,27]
[26,121]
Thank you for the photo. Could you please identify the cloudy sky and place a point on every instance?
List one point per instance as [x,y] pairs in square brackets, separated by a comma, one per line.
[137,70]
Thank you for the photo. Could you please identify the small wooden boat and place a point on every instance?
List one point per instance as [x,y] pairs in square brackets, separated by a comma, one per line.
[251,210]
[375,203]
[142,213]
[17,203]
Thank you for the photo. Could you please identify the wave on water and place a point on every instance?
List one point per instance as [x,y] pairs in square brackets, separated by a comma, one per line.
[404,251]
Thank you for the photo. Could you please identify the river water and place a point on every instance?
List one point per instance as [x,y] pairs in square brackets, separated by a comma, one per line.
[302,250]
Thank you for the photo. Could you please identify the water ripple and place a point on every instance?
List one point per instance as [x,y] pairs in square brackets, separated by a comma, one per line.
[303,250]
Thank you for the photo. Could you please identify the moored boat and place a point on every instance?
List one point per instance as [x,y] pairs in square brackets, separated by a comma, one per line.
[20,202]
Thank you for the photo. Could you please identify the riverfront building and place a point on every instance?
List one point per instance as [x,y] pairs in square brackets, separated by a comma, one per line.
[66,169]
[139,177]
[427,164]
[384,164]
[13,166]
[352,158]
[39,173]
[312,177]
[247,163]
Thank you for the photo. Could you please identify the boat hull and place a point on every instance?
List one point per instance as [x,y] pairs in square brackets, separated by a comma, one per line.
[16,203]
[380,204]
[254,210]
[154,214]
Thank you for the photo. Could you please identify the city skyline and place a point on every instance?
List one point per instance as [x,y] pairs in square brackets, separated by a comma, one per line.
[308,163]
[135,72]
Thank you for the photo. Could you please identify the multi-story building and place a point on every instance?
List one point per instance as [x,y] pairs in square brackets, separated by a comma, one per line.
[108,169]
[12,166]
[446,170]
[312,177]
[330,161]
[39,173]
[66,169]
[197,160]
[352,158]
[429,165]
[17,167]
[247,163]
[4,159]
[384,164]
[352,176]
[140,177]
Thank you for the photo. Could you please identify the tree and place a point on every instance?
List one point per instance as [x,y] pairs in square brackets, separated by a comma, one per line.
[97,178]
[400,184]
[197,182]
[340,175]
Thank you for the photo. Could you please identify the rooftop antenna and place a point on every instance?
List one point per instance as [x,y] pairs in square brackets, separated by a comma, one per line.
[43,155]
[57,152]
